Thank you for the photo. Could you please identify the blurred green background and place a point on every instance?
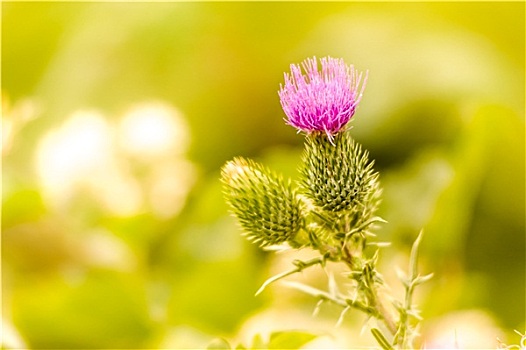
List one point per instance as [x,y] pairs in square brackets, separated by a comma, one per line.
[116,118]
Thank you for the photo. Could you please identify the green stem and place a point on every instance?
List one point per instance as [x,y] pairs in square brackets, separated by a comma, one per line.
[333,298]
[371,291]
[405,334]
[300,266]
[376,303]
[410,284]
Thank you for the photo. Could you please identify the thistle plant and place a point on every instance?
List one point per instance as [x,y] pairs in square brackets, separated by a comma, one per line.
[332,209]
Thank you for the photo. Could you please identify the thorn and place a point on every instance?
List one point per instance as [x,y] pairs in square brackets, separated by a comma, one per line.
[342,314]
[317,308]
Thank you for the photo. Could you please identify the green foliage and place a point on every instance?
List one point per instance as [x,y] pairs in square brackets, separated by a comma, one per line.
[289,339]
[109,305]
[276,340]
[406,331]
[218,344]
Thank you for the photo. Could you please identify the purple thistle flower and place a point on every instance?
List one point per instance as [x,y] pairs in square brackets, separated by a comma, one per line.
[321,100]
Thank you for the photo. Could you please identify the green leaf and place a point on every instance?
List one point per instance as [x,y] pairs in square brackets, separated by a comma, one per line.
[290,339]
[413,260]
[258,342]
[380,338]
[219,344]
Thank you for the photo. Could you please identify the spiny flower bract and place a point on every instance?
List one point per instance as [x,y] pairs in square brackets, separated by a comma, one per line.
[339,178]
[265,206]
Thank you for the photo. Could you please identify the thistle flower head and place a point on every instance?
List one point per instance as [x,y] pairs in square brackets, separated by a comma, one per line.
[265,206]
[321,101]
[339,177]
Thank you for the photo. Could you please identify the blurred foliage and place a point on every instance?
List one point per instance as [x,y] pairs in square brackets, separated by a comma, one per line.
[277,340]
[117,116]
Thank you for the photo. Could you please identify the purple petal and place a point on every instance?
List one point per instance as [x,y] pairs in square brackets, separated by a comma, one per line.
[323,100]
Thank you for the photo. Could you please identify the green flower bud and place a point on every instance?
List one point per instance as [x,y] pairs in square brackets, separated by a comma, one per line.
[338,177]
[265,206]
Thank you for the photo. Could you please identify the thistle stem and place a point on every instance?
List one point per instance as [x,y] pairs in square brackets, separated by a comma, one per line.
[404,336]
[386,316]
[371,292]
[300,266]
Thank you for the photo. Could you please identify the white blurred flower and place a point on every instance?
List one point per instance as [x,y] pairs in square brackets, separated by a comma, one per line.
[153,129]
[80,154]
[85,153]
[156,133]
[469,329]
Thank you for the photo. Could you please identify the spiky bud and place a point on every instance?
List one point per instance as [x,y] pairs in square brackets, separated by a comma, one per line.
[338,177]
[265,206]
